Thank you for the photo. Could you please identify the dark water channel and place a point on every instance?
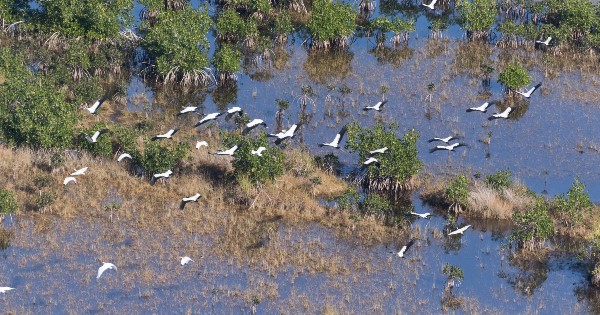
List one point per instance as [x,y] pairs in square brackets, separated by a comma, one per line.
[554,141]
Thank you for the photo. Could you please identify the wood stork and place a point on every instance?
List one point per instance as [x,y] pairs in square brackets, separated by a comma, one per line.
[284,134]
[208,118]
[253,124]
[483,108]
[545,43]
[185,260]
[229,151]
[460,231]
[69,179]
[188,109]
[105,266]
[448,147]
[371,161]
[445,140]
[92,110]
[124,156]
[376,107]
[5,289]
[232,111]
[430,5]
[258,151]
[78,172]
[528,93]
[405,248]
[378,151]
[425,215]
[185,200]
[336,141]
[168,135]
[200,144]
[94,137]
[504,114]
[155,177]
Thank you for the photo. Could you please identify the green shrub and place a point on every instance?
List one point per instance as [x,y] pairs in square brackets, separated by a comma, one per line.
[453,272]
[572,207]
[477,16]
[179,45]
[8,203]
[258,169]
[398,165]
[331,23]
[514,77]
[102,147]
[458,192]
[533,226]
[45,199]
[329,163]
[348,200]
[227,61]
[376,204]
[158,158]
[499,181]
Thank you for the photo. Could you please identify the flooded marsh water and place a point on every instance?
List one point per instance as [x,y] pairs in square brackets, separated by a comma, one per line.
[52,261]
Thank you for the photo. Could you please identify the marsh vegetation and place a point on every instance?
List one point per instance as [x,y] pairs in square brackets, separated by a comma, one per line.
[299,228]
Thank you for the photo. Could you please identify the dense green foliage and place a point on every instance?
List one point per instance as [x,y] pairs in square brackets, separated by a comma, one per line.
[398,165]
[92,19]
[457,193]
[499,181]
[32,112]
[178,41]
[376,204]
[158,158]
[453,272]
[103,145]
[514,77]
[227,59]
[532,226]
[8,203]
[258,169]
[331,23]
[477,16]
[348,200]
[572,207]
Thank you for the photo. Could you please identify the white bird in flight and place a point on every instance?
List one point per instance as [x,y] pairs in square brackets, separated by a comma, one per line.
[124,156]
[185,200]
[168,135]
[69,179]
[448,147]
[92,110]
[232,111]
[258,151]
[185,260]
[445,140]
[376,107]
[284,134]
[80,171]
[208,118]
[253,124]
[229,151]
[370,161]
[528,93]
[336,141]
[546,42]
[166,174]
[104,267]
[425,215]
[402,250]
[200,144]
[187,109]
[483,108]
[94,137]
[460,231]
[504,114]
[5,289]
[431,5]
[378,151]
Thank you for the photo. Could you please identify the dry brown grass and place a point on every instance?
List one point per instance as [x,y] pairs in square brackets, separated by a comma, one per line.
[487,203]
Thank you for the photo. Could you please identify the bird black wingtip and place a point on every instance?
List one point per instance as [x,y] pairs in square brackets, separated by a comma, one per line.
[321,145]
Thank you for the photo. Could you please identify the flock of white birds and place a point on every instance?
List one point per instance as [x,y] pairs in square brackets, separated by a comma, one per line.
[280,137]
